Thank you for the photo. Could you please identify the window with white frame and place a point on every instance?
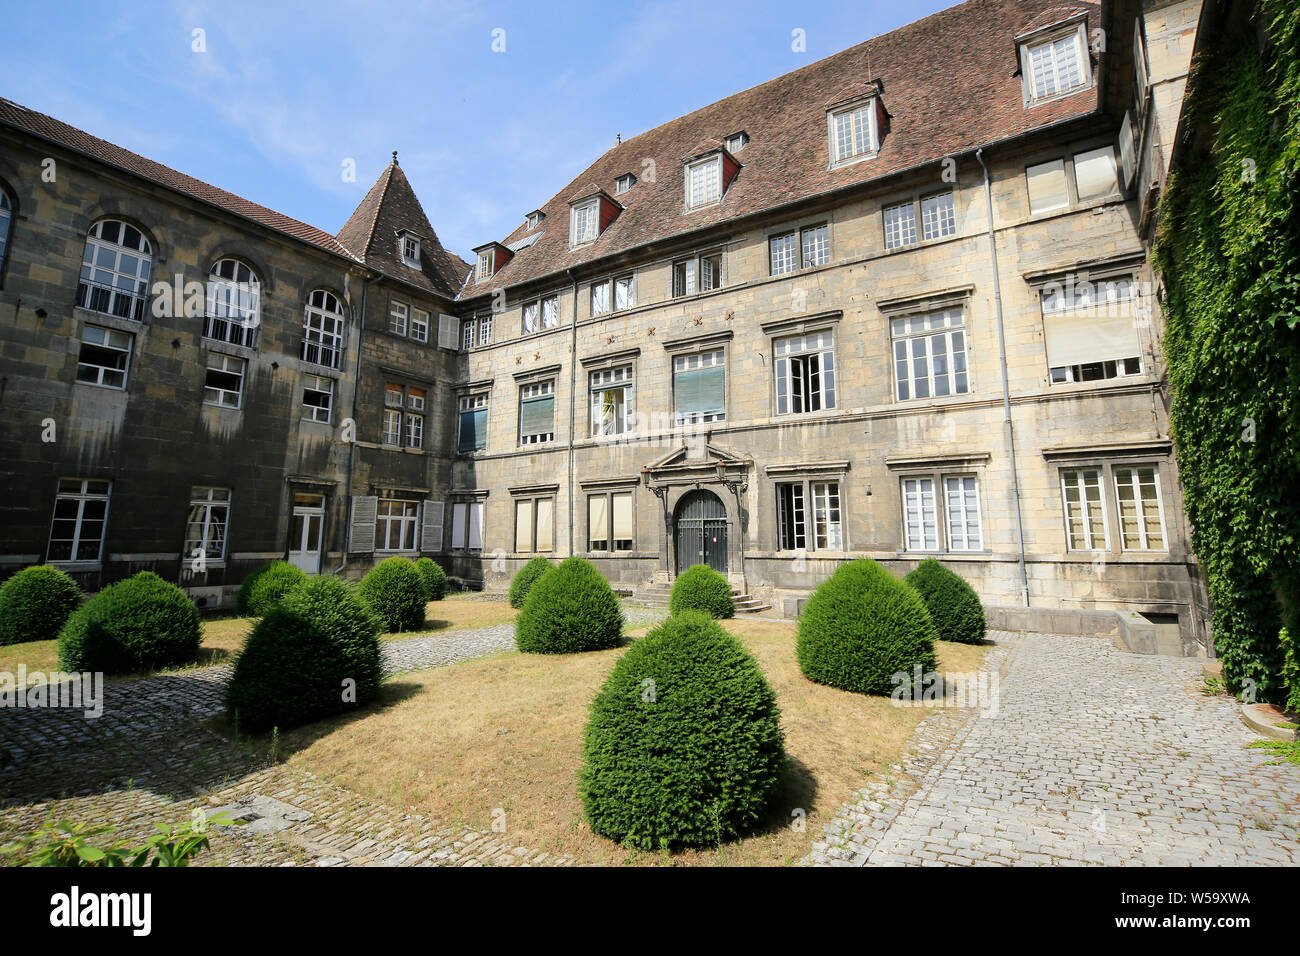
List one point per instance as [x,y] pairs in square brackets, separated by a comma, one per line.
[584,222]
[852,132]
[537,412]
[958,523]
[938,218]
[80,517]
[395,524]
[224,382]
[420,325]
[1090,330]
[534,525]
[1141,516]
[961,496]
[1085,510]
[541,314]
[234,303]
[800,249]
[205,528]
[410,251]
[1055,65]
[322,330]
[403,416]
[611,401]
[612,295]
[483,268]
[799,501]
[701,273]
[920,515]
[317,397]
[805,372]
[624,183]
[624,293]
[471,425]
[534,218]
[699,387]
[114,268]
[900,225]
[467,525]
[610,522]
[104,357]
[600,297]
[703,182]
[398,318]
[930,354]
[550,311]
[737,141]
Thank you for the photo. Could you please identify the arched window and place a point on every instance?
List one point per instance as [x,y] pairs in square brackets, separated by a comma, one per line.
[322,330]
[6,219]
[234,308]
[115,270]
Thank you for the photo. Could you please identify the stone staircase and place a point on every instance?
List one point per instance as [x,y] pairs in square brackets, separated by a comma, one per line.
[656,594]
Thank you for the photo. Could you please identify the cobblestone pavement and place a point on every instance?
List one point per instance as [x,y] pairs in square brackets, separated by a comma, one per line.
[1094,756]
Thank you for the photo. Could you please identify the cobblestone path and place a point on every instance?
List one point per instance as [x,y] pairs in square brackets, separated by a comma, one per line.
[1094,756]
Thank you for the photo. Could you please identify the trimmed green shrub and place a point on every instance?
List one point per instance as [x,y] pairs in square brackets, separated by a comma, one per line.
[953,604]
[138,624]
[267,585]
[396,592]
[569,609]
[525,578]
[700,588]
[296,663]
[861,627]
[35,604]
[435,579]
[684,745]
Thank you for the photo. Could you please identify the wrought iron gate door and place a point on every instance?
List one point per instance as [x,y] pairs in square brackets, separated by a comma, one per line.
[701,531]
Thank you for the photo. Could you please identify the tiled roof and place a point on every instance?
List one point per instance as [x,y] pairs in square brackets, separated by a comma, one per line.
[950,83]
[371,234]
[46,127]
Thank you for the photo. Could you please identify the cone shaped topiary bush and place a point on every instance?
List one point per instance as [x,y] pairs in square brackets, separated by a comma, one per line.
[138,624]
[313,654]
[435,579]
[700,588]
[396,592]
[569,609]
[267,585]
[684,745]
[525,578]
[35,604]
[861,627]
[953,604]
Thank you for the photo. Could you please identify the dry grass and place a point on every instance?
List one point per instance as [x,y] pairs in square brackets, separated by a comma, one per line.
[459,742]
[457,611]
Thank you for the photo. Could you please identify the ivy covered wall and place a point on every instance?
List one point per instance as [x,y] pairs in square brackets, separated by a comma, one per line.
[1228,250]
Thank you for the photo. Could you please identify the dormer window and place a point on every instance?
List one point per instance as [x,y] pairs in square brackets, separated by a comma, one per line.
[534,218]
[409,248]
[853,132]
[584,222]
[624,183]
[1055,63]
[484,268]
[737,141]
[704,182]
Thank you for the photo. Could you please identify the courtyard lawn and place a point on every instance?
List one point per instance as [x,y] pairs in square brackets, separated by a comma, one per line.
[505,733]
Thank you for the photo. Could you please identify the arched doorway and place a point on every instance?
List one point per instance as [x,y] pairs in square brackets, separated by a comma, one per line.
[700,527]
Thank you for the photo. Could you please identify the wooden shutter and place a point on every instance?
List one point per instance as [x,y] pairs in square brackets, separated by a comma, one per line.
[431,526]
[458,511]
[476,526]
[448,331]
[361,535]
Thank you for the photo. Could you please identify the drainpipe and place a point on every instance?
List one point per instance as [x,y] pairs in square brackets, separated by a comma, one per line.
[356,397]
[1006,387]
[573,384]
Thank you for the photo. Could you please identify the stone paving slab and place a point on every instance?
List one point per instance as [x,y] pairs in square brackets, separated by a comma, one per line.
[1095,756]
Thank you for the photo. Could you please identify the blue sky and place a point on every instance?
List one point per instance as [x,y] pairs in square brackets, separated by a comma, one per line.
[286,93]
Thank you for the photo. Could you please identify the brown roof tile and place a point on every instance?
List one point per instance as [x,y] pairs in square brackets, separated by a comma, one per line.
[950,83]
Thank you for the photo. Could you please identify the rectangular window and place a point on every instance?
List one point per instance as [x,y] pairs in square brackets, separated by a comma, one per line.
[852,132]
[962,500]
[537,413]
[1056,66]
[697,274]
[420,325]
[205,530]
[792,528]
[585,222]
[467,525]
[1141,518]
[827,530]
[468,334]
[900,225]
[483,268]
[600,297]
[805,372]
[784,253]
[80,516]
[1089,330]
[1094,174]
[610,522]
[224,383]
[624,293]
[414,431]
[395,524]
[530,314]
[534,525]
[938,216]
[930,355]
[704,182]
[397,318]
[551,312]
[484,329]
[1047,188]
[792,513]
[317,398]
[1085,512]
[920,516]
[684,277]
[471,430]
[816,244]
[699,387]
[611,401]
[411,251]
[104,357]
[322,331]
[393,427]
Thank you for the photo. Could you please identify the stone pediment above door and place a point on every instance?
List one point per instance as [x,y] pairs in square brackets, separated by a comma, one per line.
[697,462]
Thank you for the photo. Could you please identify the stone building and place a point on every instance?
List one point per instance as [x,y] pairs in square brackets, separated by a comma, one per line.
[894,304]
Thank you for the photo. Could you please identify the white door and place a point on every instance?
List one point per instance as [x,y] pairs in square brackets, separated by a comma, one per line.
[305,533]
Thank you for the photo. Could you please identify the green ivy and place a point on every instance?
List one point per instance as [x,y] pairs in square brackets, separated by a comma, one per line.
[1229,252]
